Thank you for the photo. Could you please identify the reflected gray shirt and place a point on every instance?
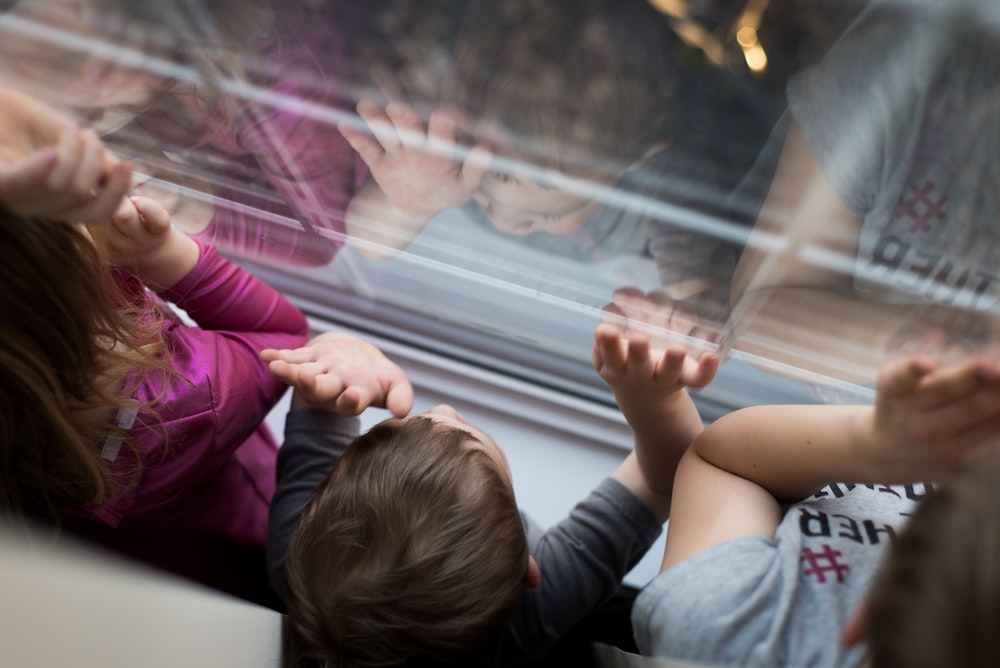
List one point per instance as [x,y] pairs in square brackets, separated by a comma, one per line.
[903,117]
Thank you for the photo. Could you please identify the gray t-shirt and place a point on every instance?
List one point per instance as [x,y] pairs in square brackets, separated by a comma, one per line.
[583,558]
[755,601]
[903,116]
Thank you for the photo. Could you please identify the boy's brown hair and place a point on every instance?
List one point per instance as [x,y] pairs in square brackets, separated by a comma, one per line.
[412,551]
[936,601]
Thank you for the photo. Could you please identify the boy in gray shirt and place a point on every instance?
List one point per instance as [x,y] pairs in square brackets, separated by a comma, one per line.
[769,553]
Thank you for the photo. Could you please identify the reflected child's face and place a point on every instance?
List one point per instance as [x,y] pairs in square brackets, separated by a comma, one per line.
[521,207]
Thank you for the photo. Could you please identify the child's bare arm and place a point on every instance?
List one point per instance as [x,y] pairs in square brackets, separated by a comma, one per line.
[416,172]
[737,473]
[651,393]
[341,373]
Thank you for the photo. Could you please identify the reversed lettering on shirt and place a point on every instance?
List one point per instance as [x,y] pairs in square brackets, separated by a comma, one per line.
[827,533]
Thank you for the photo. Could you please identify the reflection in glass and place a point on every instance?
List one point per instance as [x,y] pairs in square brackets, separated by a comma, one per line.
[879,232]
[525,170]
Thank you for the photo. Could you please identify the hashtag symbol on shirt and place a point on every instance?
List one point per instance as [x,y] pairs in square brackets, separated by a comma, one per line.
[823,562]
[921,207]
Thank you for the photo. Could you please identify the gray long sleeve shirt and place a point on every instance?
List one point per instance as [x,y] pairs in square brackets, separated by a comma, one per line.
[583,558]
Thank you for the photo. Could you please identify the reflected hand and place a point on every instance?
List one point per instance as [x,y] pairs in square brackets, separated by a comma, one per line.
[664,320]
[927,416]
[418,169]
[341,373]
[945,333]
[50,168]
[636,374]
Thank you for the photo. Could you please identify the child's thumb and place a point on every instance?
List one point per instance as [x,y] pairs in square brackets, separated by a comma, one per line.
[154,217]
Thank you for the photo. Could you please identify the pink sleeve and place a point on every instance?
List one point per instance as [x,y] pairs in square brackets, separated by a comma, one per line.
[201,416]
[263,229]
[219,294]
[300,153]
[219,391]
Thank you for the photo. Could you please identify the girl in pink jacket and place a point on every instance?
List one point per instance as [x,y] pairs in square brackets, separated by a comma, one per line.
[120,421]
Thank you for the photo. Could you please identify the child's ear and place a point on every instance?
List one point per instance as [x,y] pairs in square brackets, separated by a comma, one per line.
[661,145]
[854,629]
[532,576]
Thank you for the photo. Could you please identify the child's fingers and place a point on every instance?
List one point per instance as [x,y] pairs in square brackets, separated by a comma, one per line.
[353,400]
[441,130]
[671,364]
[901,376]
[87,179]
[310,383]
[981,433]
[363,143]
[408,124]
[961,414]
[379,124]
[125,217]
[24,173]
[153,216]
[116,185]
[703,372]
[399,397]
[682,321]
[636,304]
[330,380]
[956,382]
[386,83]
[101,210]
[293,355]
[608,349]
[638,360]
[280,369]
[300,377]
[612,315]
[626,293]
[27,170]
[69,152]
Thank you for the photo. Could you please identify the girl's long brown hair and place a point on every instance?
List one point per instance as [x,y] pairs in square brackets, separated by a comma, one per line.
[69,340]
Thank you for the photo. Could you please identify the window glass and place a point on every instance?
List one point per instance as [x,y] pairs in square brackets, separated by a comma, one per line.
[770,179]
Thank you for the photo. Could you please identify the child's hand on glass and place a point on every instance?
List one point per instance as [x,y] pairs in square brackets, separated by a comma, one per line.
[50,168]
[341,373]
[420,169]
[637,375]
[927,417]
